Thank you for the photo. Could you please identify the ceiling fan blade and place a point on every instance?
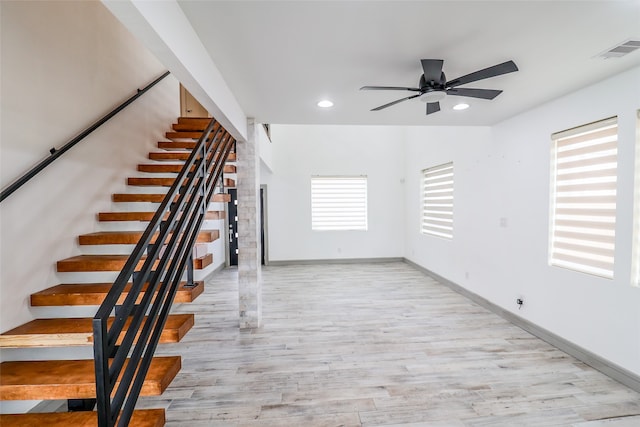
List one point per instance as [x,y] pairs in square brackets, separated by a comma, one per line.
[415,89]
[394,102]
[474,93]
[432,69]
[496,70]
[433,107]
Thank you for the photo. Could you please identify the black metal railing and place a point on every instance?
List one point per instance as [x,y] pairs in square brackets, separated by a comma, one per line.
[122,359]
[57,152]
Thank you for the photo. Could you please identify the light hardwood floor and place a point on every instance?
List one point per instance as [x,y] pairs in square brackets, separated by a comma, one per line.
[377,344]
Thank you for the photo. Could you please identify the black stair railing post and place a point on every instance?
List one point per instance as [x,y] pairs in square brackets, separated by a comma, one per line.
[122,359]
[103,384]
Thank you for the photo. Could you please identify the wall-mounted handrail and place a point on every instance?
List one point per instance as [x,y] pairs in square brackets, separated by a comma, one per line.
[166,246]
[57,152]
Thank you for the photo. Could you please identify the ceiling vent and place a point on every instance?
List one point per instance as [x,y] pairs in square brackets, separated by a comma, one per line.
[621,49]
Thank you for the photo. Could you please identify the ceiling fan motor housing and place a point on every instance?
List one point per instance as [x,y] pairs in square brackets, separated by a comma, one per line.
[437,85]
[432,91]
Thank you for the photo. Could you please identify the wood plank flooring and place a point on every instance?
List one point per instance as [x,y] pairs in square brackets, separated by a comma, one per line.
[376,344]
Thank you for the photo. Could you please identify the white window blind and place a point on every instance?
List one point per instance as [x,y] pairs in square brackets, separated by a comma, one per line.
[635,273]
[584,177]
[338,203]
[437,201]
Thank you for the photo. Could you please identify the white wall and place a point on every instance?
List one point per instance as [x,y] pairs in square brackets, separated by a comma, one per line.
[64,65]
[302,151]
[468,148]
[165,30]
[504,173]
[265,148]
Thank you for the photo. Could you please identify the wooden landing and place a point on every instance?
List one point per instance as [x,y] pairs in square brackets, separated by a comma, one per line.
[202,122]
[73,379]
[95,293]
[192,123]
[140,418]
[78,332]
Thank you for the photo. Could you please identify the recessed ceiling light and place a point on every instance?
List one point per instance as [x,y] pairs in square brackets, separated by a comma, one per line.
[461,106]
[325,103]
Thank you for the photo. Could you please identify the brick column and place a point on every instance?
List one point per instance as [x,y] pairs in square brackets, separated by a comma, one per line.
[249,248]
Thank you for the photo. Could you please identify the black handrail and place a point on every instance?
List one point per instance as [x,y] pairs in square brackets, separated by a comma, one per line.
[121,363]
[57,152]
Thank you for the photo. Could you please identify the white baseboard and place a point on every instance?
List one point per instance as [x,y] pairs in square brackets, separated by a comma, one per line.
[607,367]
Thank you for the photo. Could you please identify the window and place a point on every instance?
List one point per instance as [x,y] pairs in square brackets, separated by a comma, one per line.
[583,198]
[635,273]
[338,203]
[437,201]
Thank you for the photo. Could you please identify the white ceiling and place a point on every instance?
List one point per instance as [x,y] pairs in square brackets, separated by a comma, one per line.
[280,57]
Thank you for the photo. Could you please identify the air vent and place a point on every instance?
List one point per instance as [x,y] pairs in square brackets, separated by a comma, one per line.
[621,49]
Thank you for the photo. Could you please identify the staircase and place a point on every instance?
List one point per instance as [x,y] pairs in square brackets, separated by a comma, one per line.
[108,251]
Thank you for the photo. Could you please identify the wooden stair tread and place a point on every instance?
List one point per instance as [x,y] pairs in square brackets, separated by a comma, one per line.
[174,168]
[95,263]
[79,331]
[148,216]
[133,237]
[179,155]
[139,418]
[88,263]
[203,261]
[177,145]
[187,145]
[169,155]
[158,198]
[165,182]
[183,135]
[95,293]
[73,379]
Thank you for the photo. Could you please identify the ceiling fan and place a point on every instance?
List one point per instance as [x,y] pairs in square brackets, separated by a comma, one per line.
[434,87]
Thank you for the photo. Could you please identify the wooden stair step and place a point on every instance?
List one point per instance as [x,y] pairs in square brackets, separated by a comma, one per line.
[203,121]
[177,145]
[139,418]
[87,263]
[177,155]
[183,135]
[169,155]
[95,293]
[203,262]
[158,198]
[187,145]
[192,123]
[73,379]
[174,168]
[165,182]
[148,216]
[77,332]
[133,237]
